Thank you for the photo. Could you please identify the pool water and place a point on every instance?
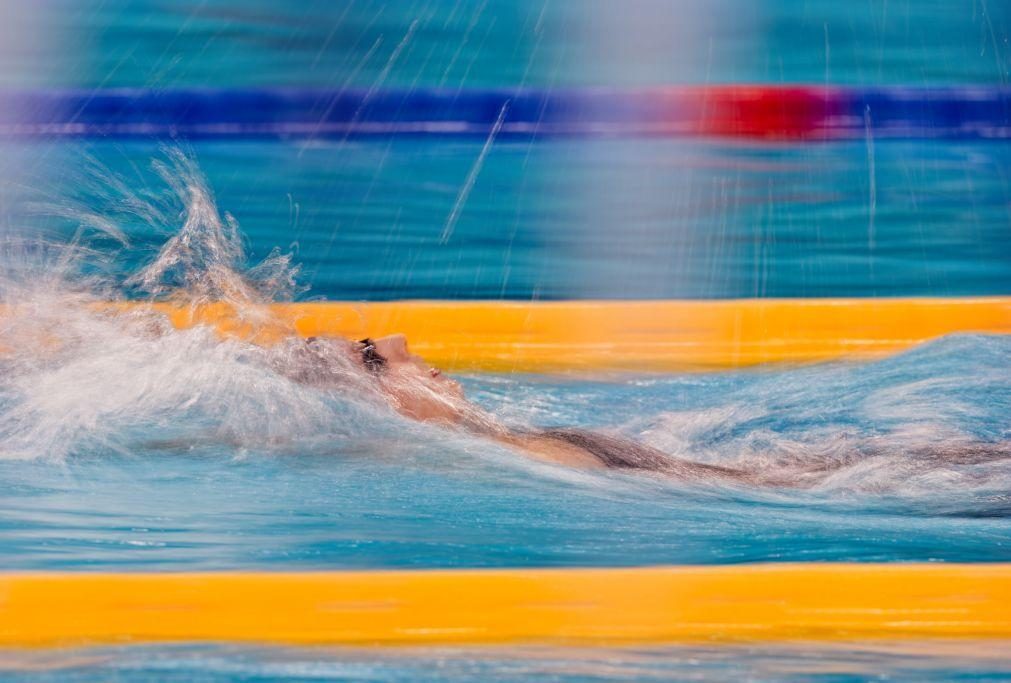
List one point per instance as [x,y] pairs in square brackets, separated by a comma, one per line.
[184,452]
[562,219]
[962,661]
[408,43]
[160,481]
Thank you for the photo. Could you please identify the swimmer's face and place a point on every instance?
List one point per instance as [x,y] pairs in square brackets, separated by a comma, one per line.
[421,391]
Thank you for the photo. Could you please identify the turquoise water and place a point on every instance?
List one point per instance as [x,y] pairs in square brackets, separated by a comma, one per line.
[185,453]
[364,489]
[175,474]
[563,219]
[965,661]
[108,43]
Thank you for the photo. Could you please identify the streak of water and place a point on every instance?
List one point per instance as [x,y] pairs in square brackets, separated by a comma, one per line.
[475,170]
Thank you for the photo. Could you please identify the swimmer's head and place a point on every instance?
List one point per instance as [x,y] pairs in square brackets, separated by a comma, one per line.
[416,389]
[420,391]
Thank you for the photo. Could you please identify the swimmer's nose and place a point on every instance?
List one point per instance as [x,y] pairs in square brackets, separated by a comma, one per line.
[393,348]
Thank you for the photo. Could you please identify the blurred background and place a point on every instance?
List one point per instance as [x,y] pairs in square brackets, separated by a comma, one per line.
[605,216]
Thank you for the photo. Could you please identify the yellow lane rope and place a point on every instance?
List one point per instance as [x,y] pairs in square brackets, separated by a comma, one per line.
[590,336]
[635,335]
[564,606]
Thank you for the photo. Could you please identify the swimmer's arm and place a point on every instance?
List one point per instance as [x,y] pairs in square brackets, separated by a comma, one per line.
[550,450]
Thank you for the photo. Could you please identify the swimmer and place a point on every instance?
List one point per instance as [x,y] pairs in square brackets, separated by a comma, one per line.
[421,392]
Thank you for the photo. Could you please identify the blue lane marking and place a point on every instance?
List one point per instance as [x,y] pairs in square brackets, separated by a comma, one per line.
[951,112]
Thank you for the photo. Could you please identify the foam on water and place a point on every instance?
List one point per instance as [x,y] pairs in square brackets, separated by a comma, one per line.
[928,427]
[78,377]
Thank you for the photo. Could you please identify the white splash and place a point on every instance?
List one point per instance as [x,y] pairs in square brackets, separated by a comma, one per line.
[78,377]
